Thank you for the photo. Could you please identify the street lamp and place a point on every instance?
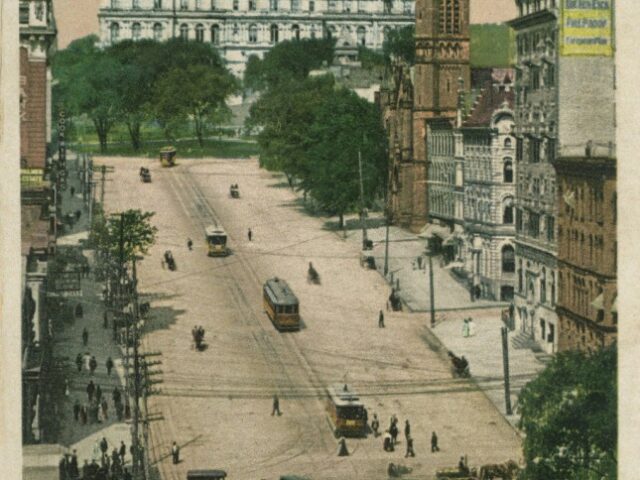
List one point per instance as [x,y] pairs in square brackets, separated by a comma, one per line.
[430,250]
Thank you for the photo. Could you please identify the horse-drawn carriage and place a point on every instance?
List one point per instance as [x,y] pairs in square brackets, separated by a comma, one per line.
[501,471]
[145,175]
[234,191]
[459,365]
[368,261]
[168,258]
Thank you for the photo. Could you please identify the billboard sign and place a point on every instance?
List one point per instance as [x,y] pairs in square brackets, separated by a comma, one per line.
[587,28]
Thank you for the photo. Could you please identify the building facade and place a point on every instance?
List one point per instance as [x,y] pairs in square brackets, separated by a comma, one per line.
[441,69]
[241,28]
[489,191]
[535,131]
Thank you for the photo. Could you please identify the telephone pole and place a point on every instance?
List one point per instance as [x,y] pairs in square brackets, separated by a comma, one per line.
[103,172]
[362,219]
[505,361]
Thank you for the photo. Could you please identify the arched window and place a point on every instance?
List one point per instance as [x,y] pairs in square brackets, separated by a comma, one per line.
[157,32]
[273,5]
[295,32]
[362,35]
[274,33]
[184,31]
[184,4]
[507,142]
[507,171]
[215,34]
[157,4]
[543,286]
[115,32]
[252,5]
[449,16]
[136,31]
[507,211]
[235,32]
[236,5]
[508,259]
[253,33]
[200,32]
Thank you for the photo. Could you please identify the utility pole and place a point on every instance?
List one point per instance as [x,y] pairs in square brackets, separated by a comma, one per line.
[136,377]
[432,306]
[505,361]
[362,219]
[386,244]
[103,172]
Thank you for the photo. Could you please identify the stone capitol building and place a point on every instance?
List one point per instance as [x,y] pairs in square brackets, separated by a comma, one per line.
[241,28]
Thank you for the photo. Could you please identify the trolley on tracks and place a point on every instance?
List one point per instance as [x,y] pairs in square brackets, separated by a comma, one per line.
[168,156]
[216,241]
[281,304]
[346,412]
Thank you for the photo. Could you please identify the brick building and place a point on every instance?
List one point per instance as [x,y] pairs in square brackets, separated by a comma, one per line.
[428,91]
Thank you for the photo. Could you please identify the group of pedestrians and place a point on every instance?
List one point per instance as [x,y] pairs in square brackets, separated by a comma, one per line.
[468,327]
[103,466]
[390,438]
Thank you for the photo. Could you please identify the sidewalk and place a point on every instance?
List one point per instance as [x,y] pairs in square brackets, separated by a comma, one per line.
[453,304]
[68,343]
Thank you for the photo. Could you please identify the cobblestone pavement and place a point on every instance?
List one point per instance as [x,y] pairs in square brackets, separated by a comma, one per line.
[216,403]
[69,343]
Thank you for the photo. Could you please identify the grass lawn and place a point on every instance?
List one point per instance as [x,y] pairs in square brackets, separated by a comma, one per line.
[186,149]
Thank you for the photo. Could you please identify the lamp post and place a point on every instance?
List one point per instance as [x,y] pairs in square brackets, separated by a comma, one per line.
[432,307]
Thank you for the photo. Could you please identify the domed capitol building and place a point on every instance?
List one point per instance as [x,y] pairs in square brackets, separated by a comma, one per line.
[241,28]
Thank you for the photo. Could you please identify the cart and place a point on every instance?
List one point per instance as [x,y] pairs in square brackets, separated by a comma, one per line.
[168,156]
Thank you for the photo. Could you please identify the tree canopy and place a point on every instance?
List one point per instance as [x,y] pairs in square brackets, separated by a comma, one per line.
[401,43]
[138,234]
[569,415]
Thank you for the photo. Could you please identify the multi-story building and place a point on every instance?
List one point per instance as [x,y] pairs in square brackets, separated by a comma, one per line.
[241,28]
[441,69]
[536,130]
[489,191]
[586,172]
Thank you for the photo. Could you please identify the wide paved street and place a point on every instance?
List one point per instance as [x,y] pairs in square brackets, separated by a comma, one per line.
[216,403]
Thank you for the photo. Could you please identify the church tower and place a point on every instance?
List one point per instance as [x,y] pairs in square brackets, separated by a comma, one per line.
[442,59]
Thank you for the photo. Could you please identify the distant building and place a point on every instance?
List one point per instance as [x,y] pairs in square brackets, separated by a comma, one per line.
[425,93]
[489,190]
[241,28]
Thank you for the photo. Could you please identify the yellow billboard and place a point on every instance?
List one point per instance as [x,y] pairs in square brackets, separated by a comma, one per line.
[586,28]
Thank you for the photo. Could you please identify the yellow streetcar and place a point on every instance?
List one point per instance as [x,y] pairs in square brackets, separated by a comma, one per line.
[168,156]
[346,412]
[216,241]
[281,305]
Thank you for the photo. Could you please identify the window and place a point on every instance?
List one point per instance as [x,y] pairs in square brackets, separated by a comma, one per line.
[273,5]
[115,32]
[508,259]
[274,33]
[520,276]
[551,150]
[550,75]
[507,211]
[518,220]
[406,7]
[115,4]
[534,225]
[553,288]
[213,4]
[253,34]
[236,5]
[295,5]
[449,16]
[543,286]
[312,31]
[252,5]
[135,4]
[215,34]
[157,32]
[184,31]
[135,31]
[361,33]
[312,8]
[184,4]
[24,13]
[507,172]
[346,6]
[157,3]
[235,32]
[507,142]
[200,33]
[331,5]
[551,225]
[519,149]
[534,150]
[295,32]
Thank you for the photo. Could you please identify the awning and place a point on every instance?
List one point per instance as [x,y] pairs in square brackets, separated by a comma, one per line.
[614,307]
[454,265]
[432,229]
[598,303]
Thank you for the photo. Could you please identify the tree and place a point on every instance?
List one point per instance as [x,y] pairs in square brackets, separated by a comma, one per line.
[569,415]
[401,43]
[197,92]
[344,127]
[138,234]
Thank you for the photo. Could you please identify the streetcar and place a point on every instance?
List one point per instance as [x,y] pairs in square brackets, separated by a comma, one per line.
[346,412]
[281,304]
[206,475]
[216,241]
[168,156]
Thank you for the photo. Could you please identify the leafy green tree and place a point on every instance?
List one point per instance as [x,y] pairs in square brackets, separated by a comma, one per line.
[197,92]
[344,127]
[137,233]
[401,43]
[569,416]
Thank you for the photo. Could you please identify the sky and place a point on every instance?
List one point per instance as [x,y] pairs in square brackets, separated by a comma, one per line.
[77,18]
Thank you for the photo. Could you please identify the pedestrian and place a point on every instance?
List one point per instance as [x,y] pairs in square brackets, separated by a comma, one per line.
[116,395]
[375,424]
[189,244]
[462,466]
[434,442]
[67,391]
[472,327]
[85,337]
[98,393]
[105,407]
[87,360]
[72,191]
[119,409]
[91,388]
[74,470]
[342,448]
[104,445]
[249,234]
[387,442]
[276,406]
[79,362]
[407,429]
[419,260]
[105,320]
[115,457]
[465,328]
[123,451]
[83,415]
[410,452]
[93,364]
[394,433]
[511,311]
[76,410]
[381,319]
[109,365]
[85,470]
[79,311]
[175,453]
[78,214]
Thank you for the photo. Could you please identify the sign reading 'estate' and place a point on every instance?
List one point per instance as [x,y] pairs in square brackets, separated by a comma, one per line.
[587,28]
